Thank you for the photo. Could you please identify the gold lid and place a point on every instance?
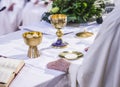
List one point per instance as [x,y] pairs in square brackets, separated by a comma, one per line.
[84,34]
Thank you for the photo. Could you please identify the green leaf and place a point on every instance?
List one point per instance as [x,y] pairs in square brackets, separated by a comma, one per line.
[79,10]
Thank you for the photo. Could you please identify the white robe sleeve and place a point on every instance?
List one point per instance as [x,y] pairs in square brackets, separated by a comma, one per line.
[73,73]
[73,69]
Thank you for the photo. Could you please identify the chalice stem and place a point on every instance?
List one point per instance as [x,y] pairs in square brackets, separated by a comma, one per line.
[33,52]
[59,33]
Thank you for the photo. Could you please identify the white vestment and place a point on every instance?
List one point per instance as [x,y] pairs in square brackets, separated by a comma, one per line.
[32,13]
[10,20]
[101,65]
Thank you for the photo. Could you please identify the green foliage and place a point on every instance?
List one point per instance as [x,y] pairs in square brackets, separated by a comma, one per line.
[79,11]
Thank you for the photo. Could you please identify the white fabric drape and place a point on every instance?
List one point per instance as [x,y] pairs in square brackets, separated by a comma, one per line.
[32,13]
[4,23]
[101,66]
[7,3]
[10,20]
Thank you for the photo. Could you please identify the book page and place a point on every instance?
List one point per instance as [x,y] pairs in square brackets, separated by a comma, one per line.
[10,63]
[8,70]
[6,75]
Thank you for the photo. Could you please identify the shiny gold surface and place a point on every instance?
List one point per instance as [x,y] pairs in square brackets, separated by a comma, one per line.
[70,55]
[32,39]
[59,21]
[84,34]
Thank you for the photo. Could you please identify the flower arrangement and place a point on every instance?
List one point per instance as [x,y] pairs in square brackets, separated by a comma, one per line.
[77,11]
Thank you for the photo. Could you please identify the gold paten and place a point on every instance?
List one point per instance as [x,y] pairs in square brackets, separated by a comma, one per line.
[75,53]
[32,39]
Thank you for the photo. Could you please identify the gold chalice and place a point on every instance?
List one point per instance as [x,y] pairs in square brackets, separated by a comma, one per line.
[59,21]
[32,39]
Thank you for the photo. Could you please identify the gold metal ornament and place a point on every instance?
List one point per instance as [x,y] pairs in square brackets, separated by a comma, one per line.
[32,39]
[59,21]
[84,34]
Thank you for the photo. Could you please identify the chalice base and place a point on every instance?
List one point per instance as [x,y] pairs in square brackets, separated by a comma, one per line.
[59,44]
[84,34]
[33,52]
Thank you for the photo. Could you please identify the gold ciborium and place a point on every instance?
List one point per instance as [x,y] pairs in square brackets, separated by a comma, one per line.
[59,21]
[84,34]
[32,39]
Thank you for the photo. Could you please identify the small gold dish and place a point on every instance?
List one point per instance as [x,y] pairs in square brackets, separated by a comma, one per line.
[70,55]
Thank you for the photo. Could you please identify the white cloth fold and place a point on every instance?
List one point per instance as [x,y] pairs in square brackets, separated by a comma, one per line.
[32,13]
[101,66]
[73,70]
[10,20]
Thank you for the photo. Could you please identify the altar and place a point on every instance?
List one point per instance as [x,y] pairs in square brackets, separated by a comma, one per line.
[35,73]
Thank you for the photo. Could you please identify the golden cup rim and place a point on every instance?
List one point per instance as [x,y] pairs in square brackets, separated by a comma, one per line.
[30,32]
[54,16]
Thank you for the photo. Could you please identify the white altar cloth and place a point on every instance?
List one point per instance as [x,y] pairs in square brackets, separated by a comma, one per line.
[47,28]
[35,72]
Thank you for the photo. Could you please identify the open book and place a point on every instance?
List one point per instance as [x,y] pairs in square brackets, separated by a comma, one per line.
[9,68]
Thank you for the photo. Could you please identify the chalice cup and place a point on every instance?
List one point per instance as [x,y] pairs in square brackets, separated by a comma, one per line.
[32,39]
[59,21]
